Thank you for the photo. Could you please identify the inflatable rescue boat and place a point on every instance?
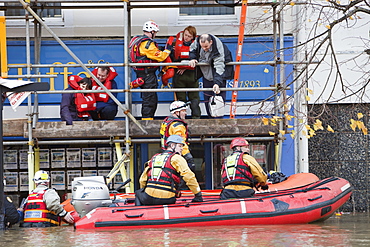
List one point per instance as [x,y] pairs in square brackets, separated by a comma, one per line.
[313,202]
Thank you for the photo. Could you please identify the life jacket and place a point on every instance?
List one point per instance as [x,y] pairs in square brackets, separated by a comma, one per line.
[134,49]
[36,211]
[84,101]
[161,172]
[182,50]
[235,171]
[104,97]
[165,127]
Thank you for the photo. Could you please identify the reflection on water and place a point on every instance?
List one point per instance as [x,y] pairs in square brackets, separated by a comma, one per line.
[345,230]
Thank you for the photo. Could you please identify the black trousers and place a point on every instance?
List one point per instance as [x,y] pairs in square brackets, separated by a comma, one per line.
[142,198]
[150,100]
[228,194]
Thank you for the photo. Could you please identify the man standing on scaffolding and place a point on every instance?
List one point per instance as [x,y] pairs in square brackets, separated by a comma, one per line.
[143,49]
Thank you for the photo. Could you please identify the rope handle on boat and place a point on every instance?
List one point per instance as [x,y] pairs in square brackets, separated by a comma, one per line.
[134,216]
[209,211]
[315,198]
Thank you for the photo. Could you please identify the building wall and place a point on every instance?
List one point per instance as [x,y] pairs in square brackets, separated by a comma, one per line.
[344,153]
[110,22]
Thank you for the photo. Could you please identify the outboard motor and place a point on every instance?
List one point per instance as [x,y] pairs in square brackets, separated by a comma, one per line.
[89,193]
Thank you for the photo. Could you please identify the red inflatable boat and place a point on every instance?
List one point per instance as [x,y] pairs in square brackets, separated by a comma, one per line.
[314,202]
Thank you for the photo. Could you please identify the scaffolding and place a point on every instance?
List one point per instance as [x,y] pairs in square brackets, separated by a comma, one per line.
[279,86]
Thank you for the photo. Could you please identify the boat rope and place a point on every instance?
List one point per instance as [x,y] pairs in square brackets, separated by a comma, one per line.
[259,198]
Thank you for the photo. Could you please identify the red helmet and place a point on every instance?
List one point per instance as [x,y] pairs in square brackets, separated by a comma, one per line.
[238,142]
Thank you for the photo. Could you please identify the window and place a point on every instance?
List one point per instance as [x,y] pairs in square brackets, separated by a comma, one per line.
[226,8]
[46,12]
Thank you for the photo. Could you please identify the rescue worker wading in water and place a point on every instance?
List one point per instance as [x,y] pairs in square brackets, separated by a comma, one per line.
[159,180]
[43,208]
[240,171]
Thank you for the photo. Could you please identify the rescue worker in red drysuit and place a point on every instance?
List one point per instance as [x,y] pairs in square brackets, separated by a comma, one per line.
[185,75]
[42,207]
[240,172]
[106,108]
[160,179]
[175,125]
[143,49]
[76,107]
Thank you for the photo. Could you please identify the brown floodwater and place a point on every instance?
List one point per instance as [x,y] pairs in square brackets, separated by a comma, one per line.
[339,230]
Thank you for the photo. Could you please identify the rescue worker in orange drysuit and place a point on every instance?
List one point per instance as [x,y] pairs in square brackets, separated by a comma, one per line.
[143,49]
[160,179]
[240,171]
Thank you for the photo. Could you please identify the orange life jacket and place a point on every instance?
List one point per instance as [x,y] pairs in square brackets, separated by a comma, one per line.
[35,210]
[182,50]
[104,97]
[84,101]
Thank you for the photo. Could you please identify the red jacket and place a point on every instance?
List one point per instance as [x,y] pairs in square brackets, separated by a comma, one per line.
[182,50]
[104,97]
[84,101]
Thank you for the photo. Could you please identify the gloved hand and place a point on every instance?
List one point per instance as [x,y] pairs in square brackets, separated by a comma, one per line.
[189,159]
[191,164]
[216,89]
[169,47]
[198,197]
[169,43]
[69,218]
[265,187]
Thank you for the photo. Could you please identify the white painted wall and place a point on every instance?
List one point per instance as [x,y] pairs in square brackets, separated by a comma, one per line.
[75,23]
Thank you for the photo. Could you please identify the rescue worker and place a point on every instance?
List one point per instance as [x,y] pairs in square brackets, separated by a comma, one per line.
[76,107]
[209,49]
[240,171]
[42,207]
[160,179]
[106,108]
[185,75]
[143,49]
[175,125]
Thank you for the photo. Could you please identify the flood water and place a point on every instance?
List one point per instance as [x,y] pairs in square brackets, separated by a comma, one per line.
[343,230]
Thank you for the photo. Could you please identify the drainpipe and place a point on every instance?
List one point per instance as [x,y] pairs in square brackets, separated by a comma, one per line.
[301,142]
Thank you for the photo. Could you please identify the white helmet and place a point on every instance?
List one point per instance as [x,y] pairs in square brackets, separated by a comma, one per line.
[41,177]
[178,106]
[150,26]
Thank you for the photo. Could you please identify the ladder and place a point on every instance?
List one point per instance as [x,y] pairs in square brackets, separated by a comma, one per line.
[239,55]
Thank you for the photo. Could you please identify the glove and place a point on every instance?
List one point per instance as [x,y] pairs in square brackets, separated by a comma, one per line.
[189,159]
[191,164]
[69,218]
[265,187]
[169,43]
[169,47]
[198,197]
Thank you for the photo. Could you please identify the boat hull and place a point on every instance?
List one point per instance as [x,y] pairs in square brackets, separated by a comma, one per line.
[314,202]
